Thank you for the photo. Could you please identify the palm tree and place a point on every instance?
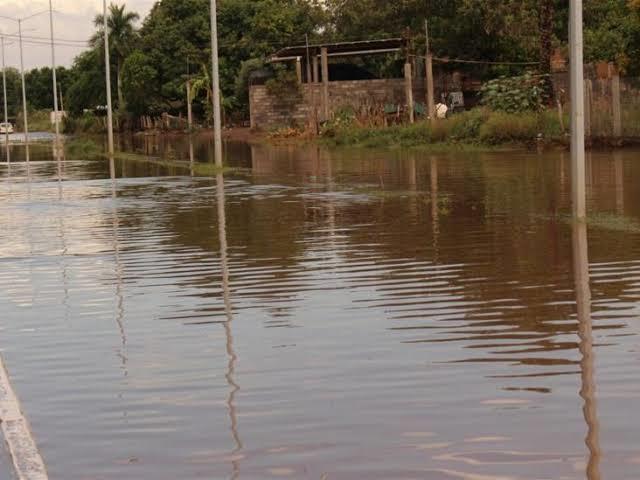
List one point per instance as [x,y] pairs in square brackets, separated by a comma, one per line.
[122,37]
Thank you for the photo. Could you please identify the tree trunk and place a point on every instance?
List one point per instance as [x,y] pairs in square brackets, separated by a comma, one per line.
[121,102]
[545,25]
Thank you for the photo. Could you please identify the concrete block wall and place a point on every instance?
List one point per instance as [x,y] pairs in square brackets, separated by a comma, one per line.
[269,112]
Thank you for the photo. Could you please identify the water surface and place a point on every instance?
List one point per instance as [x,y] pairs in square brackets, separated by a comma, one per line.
[325,315]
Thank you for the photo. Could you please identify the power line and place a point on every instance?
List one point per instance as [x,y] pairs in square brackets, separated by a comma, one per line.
[33,37]
[475,62]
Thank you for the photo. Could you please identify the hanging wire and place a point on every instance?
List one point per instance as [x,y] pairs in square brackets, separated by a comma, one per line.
[475,62]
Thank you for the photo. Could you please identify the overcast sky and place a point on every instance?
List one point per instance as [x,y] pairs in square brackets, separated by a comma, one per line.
[73,25]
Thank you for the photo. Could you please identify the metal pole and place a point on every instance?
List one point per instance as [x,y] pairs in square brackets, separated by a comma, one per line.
[107,65]
[431,107]
[6,114]
[189,108]
[55,80]
[24,97]
[217,123]
[577,110]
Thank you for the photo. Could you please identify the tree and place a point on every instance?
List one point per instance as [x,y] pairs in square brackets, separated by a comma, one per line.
[137,74]
[612,33]
[122,38]
[87,90]
[39,83]
[176,38]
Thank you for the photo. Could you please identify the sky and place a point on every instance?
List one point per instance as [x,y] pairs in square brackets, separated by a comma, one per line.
[73,25]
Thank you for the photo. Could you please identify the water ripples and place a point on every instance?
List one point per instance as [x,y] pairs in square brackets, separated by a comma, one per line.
[422,332]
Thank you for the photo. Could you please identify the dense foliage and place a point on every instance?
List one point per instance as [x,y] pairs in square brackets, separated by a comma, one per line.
[524,93]
[152,59]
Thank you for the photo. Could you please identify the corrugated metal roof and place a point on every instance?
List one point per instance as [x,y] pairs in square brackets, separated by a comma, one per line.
[342,48]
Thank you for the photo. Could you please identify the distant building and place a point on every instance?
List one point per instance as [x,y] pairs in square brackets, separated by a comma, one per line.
[61,116]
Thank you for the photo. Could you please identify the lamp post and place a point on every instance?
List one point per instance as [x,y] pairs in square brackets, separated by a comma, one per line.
[55,80]
[578,177]
[24,90]
[217,122]
[6,114]
[107,63]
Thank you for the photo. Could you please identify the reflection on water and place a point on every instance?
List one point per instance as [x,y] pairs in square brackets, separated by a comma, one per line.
[329,314]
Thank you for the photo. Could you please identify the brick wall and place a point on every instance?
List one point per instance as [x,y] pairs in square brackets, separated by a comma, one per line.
[268,111]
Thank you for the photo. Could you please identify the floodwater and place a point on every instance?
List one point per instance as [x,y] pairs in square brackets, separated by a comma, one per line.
[325,315]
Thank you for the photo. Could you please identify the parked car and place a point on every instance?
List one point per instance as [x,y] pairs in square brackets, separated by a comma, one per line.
[6,128]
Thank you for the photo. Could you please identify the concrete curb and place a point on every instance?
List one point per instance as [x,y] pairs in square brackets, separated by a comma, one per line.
[27,461]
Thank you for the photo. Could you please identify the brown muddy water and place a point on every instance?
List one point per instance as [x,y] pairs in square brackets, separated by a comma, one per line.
[325,315]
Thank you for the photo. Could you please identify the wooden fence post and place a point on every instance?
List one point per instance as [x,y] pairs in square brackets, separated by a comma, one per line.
[617,110]
[325,83]
[588,100]
[431,107]
[316,72]
[299,69]
[408,84]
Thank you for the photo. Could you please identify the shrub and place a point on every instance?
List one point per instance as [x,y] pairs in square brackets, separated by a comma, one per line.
[515,94]
[87,123]
[503,127]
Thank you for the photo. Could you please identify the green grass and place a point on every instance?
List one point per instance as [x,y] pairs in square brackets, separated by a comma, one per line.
[87,149]
[199,169]
[602,220]
[83,149]
[476,129]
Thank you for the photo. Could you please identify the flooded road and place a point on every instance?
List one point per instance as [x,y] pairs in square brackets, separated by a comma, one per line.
[326,315]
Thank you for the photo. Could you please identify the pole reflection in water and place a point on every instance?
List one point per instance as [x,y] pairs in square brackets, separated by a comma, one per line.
[435,212]
[58,156]
[191,156]
[585,332]
[115,225]
[619,182]
[226,294]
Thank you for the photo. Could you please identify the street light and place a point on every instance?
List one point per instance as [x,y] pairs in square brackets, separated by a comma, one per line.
[55,80]
[578,175]
[24,90]
[107,63]
[217,122]
[6,115]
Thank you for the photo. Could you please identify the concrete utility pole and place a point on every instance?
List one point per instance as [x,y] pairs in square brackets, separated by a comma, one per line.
[55,80]
[431,107]
[325,83]
[107,64]
[578,178]
[217,121]
[189,107]
[24,96]
[6,114]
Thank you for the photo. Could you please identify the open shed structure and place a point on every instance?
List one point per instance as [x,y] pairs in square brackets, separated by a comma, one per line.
[322,91]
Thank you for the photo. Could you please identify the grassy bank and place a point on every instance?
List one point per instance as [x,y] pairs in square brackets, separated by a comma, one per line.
[87,149]
[475,128]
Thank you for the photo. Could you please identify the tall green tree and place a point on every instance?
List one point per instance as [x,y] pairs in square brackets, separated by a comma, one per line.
[40,87]
[87,90]
[122,39]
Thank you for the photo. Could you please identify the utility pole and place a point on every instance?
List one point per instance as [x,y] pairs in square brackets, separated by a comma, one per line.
[189,107]
[578,178]
[107,64]
[217,123]
[431,107]
[24,97]
[55,80]
[6,115]
[61,98]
